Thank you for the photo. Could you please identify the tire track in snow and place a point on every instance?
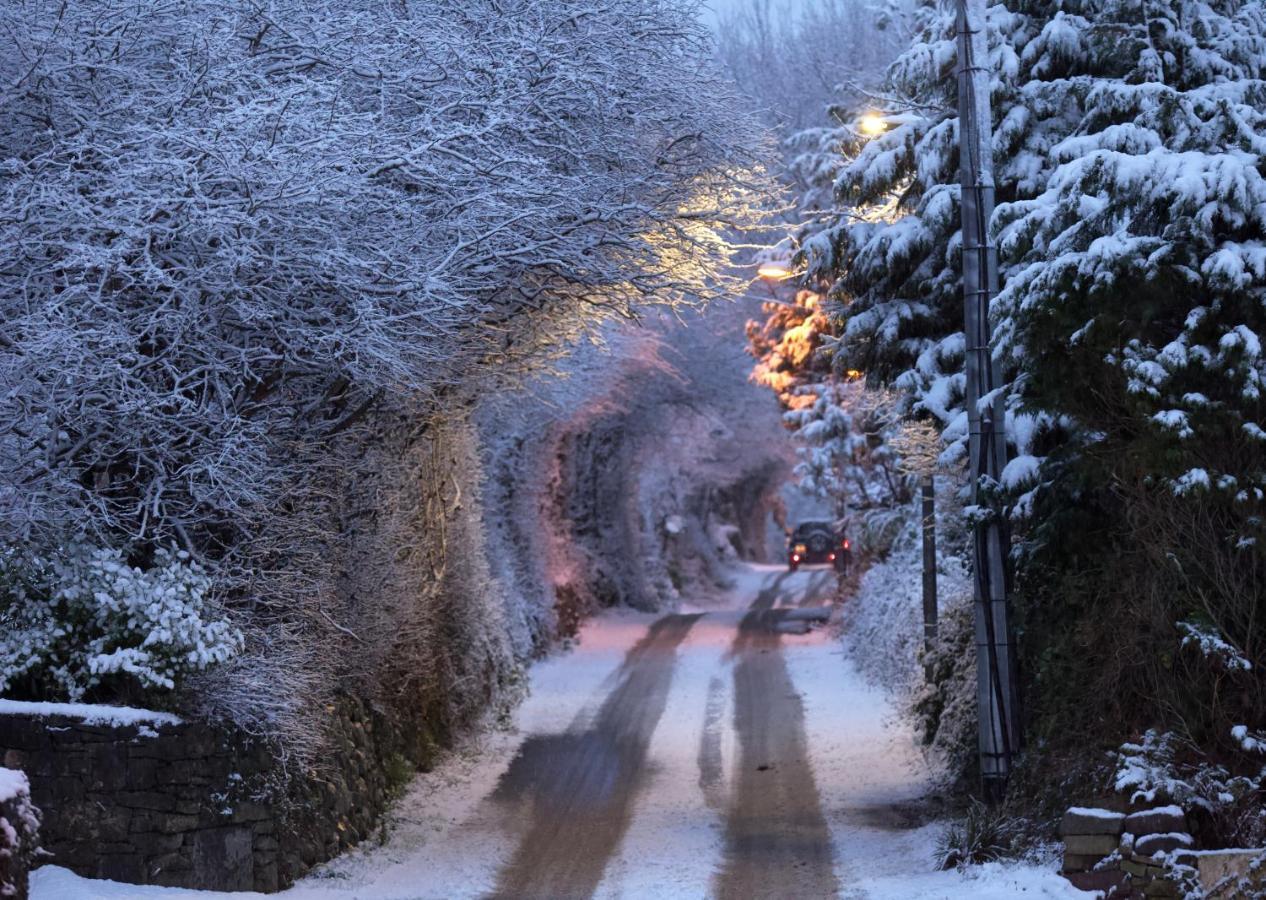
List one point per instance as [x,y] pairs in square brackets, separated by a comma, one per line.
[778,844]
[711,770]
[579,786]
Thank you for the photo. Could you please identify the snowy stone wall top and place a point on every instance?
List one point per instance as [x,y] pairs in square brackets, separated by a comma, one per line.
[88,713]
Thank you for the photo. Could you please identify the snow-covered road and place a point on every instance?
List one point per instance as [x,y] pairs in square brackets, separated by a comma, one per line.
[710,753]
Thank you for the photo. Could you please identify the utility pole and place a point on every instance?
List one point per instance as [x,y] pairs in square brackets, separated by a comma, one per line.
[996,689]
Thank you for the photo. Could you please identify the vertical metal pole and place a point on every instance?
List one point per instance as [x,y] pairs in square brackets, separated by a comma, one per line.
[929,569]
[999,724]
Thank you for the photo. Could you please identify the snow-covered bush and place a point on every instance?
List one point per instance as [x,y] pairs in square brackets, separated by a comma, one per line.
[1164,767]
[19,833]
[884,634]
[85,618]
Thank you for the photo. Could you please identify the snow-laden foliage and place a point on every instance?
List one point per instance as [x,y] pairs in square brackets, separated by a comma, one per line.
[85,617]
[1213,647]
[846,455]
[19,833]
[1128,147]
[230,228]
[1125,148]
[883,631]
[1145,770]
[1162,768]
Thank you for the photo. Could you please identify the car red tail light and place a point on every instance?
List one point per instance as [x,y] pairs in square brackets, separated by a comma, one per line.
[845,544]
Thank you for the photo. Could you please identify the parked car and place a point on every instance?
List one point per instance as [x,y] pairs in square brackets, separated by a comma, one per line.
[817,543]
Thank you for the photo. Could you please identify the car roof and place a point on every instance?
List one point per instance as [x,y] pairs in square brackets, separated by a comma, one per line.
[816,523]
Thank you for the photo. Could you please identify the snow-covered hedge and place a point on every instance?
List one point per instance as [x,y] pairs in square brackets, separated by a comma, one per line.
[884,634]
[78,620]
[19,829]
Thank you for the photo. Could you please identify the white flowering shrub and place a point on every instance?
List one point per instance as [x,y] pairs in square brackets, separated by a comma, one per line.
[85,620]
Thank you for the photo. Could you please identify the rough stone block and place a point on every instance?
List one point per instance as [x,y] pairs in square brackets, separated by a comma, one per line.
[170,869]
[176,823]
[77,764]
[152,801]
[1140,867]
[1161,887]
[1229,866]
[1085,820]
[112,824]
[142,773]
[222,858]
[159,843]
[1112,882]
[1161,820]
[246,811]
[1077,862]
[65,791]
[120,868]
[107,770]
[1098,845]
[1151,844]
[267,878]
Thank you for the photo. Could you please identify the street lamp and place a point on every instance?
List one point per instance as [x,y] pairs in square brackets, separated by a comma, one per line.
[773,270]
[872,125]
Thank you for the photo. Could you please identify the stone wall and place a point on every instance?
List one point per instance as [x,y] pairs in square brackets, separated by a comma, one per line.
[191,805]
[1143,852]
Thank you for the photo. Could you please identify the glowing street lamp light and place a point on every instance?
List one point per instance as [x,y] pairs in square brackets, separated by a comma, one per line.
[773,271]
[872,125]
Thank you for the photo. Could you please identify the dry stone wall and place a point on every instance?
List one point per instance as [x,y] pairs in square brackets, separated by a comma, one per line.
[1150,852]
[193,805]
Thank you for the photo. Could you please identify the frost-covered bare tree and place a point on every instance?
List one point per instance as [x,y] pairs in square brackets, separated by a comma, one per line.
[252,248]
[231,226]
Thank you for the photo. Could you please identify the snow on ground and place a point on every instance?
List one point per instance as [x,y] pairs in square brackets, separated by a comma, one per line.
[89,713]
[674,828]
[448,841]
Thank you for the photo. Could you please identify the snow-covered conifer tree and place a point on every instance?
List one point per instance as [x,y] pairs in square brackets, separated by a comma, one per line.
[1128,141]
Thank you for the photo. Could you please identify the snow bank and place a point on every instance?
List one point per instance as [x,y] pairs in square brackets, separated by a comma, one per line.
[88,713]
[991,881]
